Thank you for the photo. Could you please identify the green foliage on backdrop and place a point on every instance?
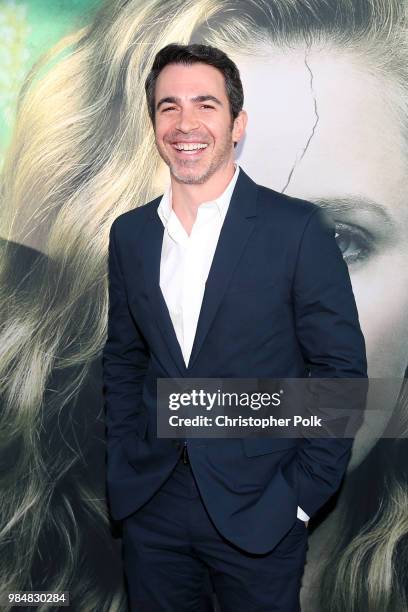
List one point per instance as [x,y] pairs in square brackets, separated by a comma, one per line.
[27,29]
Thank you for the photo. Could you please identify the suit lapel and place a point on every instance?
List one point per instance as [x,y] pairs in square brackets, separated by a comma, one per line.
[151,254]
[237,227]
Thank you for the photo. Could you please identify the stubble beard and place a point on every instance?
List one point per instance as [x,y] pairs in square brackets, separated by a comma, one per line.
[220,159]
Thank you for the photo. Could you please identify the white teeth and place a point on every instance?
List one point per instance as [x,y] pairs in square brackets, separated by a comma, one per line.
[190,147]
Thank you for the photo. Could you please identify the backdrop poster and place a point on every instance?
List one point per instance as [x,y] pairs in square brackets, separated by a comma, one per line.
[325,85]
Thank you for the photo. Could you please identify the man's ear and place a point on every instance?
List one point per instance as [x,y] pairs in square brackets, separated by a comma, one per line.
[238,129]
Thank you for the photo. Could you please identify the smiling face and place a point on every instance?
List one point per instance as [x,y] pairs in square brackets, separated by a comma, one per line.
[328,131]
[194,131]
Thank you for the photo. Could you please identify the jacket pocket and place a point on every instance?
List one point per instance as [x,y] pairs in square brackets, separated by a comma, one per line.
[263,446]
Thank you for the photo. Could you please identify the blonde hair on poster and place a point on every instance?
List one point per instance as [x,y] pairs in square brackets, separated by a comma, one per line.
[82,153]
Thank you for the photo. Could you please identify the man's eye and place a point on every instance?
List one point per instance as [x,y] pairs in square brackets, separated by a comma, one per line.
[354,243]
[206,106]
[169,108]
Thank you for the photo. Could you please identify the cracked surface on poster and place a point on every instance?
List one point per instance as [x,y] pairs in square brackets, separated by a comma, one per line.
[303,151]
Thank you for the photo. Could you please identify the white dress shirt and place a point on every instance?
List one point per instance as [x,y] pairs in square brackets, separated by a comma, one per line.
[186,261]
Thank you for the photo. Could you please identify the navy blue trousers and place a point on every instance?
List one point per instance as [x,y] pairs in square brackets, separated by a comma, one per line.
[175,559]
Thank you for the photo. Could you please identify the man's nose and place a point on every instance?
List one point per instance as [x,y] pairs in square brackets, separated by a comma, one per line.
[187,120]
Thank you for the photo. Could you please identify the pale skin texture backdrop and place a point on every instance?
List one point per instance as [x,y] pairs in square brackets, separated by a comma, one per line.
[355,157]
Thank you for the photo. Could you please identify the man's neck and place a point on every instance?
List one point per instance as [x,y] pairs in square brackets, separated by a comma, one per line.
[187,198]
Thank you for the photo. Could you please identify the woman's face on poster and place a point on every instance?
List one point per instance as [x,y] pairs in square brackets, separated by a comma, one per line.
[327,129]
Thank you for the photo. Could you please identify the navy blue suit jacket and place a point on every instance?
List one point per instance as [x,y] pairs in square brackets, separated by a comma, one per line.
[278,303]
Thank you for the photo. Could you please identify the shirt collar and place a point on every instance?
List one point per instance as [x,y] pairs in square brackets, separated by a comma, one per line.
[164,209]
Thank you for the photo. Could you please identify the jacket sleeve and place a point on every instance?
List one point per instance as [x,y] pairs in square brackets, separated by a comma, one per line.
[332,344]
[125,357]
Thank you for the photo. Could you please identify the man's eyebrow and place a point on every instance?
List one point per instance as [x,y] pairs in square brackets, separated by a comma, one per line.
[356,203]
[176,100]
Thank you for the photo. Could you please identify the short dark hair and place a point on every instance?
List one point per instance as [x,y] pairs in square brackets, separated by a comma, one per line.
[197,54]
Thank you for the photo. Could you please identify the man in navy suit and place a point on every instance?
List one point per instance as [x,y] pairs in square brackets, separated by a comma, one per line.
[218,278]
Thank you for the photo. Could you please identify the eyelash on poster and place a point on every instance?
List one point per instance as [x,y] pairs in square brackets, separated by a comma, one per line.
[365,242]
